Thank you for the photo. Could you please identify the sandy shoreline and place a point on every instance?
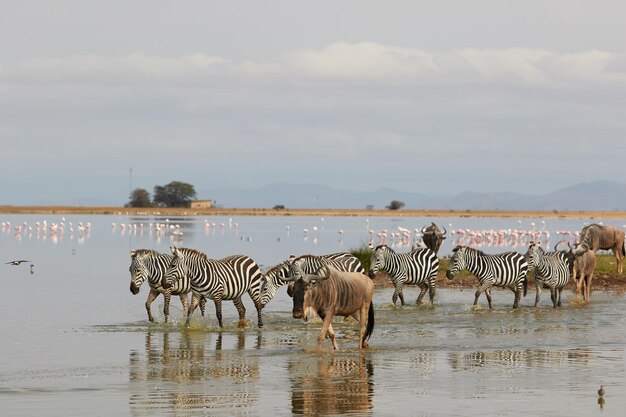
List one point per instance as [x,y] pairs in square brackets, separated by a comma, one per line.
[601,215]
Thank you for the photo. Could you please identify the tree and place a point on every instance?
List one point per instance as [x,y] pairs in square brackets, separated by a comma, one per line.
[395,205]
[174,194]
[139,198]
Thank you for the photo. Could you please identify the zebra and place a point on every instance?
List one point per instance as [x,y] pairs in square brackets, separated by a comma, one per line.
[147,264]
[275,276]
[420,266]
[552,270]
[224,279]
[507,270]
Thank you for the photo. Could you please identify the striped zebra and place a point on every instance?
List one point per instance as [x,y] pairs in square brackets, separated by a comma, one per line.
[275,276]
[418,267]
[507,270]
[224,279]
[150,265]
[551,270]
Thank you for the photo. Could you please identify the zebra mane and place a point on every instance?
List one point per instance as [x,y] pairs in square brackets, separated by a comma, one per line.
[478,251]
[189,251]
[384,247]
[275,268]
[142,252]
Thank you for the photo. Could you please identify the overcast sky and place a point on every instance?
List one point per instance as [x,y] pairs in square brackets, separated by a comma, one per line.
[435,97]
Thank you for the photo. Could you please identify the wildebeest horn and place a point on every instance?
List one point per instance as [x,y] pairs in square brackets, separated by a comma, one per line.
[556,247]
[423,230]
[290,278]
[444,230]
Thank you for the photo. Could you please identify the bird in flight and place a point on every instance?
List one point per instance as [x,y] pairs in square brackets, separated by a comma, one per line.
[16,262]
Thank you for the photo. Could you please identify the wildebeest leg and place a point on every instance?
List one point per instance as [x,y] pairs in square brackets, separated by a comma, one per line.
[151,297]
[580,284]
[327,328]
[587,289]
[361,316]
[538,284]
[184,300]
[619,255]
[242,312]
[423,289]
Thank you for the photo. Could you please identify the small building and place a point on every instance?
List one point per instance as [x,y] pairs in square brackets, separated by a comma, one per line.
[202,204]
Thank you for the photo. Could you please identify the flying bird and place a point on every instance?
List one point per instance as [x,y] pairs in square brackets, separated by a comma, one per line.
[16,262]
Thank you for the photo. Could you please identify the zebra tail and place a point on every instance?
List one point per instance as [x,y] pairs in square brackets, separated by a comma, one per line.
[370,322]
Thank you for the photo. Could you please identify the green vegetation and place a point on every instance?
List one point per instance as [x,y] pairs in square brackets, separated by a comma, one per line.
[363,253]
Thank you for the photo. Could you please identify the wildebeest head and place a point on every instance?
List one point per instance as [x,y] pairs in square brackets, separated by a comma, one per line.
[433,236]
[457,262]
[300,285]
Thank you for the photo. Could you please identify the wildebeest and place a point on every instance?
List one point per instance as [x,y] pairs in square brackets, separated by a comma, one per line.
[330,293]
[594,237]
[582,272]
[433,237]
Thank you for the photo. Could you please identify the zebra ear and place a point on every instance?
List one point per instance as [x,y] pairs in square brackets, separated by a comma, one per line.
[175,251]
[457,248]
[133,253]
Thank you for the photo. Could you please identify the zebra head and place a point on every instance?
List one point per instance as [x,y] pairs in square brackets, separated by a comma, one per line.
[534,254]
[272,279]
[458,262]
[138,269]
[176,269]
[377,260]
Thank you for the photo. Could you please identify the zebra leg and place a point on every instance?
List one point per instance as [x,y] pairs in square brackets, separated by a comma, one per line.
[259,313]
[167,296]
[192,307]
[151,297]
[423,289]
[553,295]
[560,290]
[218,310]
[518,296]
[184,299]
[242,312]
[431,293]
[488,295]
[202,304]
[538,285]
[398,292]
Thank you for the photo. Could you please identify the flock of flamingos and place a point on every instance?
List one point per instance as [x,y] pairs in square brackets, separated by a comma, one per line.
[402,237]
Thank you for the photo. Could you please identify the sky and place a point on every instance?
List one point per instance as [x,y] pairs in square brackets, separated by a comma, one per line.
[99,98]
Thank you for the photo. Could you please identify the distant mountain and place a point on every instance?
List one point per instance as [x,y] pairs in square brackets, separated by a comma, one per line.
[597,195]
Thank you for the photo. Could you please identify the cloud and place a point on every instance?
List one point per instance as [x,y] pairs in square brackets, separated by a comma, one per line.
[341,61]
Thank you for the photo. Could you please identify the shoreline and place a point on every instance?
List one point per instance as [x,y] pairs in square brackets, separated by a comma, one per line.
[105,210]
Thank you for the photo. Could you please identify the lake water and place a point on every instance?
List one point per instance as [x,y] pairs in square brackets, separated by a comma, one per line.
[75,341]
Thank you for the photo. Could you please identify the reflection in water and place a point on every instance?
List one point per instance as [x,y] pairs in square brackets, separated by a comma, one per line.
[180,372]
[507,358]
[323,385]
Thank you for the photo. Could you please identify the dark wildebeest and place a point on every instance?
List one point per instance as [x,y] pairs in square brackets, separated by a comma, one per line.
[331,292]
[595,237]
[433,237]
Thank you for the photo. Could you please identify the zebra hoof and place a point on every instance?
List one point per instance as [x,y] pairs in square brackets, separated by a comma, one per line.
[242,323]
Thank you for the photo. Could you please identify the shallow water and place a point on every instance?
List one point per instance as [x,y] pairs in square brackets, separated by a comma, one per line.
[76,342]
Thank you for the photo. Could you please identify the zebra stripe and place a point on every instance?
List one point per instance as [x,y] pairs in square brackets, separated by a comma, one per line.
[224,279]
[418,267]
[150,265]
[551,270]
[508,270]
[275,276]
